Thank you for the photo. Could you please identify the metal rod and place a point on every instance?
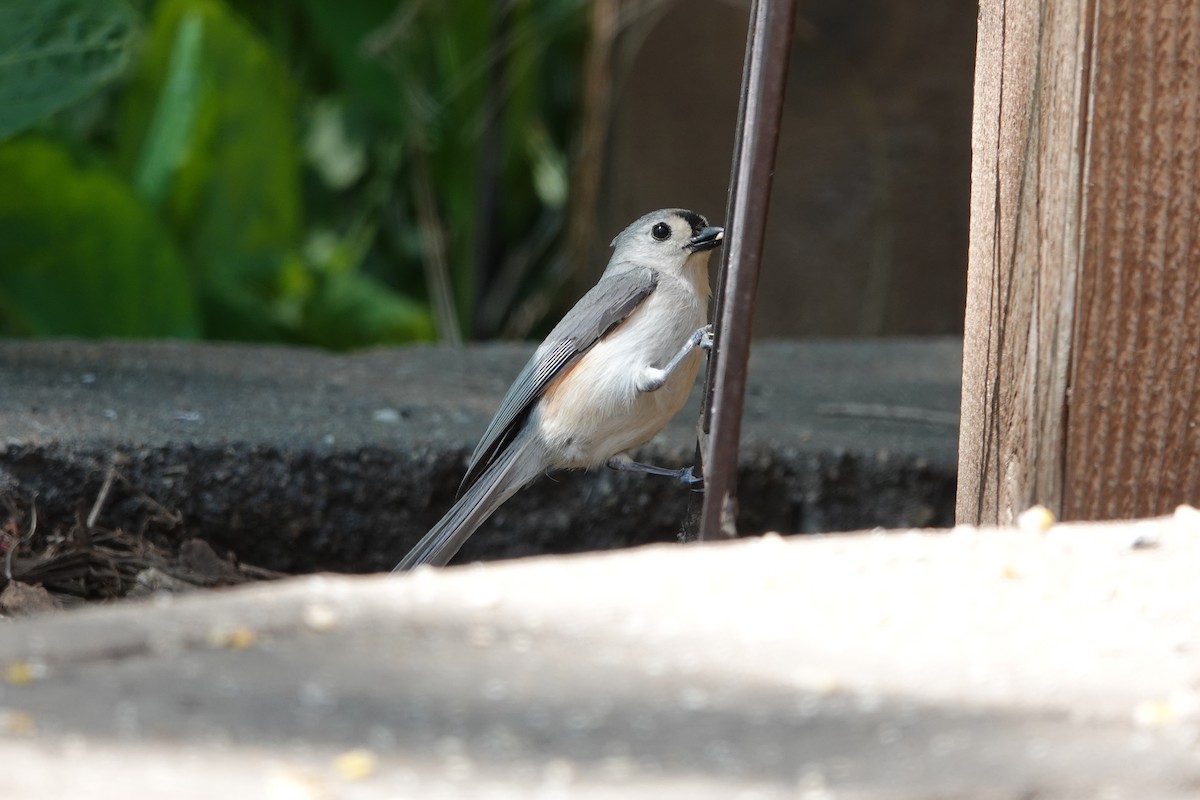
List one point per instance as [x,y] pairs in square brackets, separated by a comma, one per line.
[764,76]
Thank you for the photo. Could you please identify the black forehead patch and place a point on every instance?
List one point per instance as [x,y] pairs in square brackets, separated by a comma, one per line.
[693,219]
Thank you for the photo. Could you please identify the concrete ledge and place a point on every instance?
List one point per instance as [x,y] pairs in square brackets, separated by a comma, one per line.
[999,665]
[300,460]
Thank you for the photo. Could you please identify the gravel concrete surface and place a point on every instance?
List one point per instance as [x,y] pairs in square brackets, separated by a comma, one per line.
[300,460]
[1001,665]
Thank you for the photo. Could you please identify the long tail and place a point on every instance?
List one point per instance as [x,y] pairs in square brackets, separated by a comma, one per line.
[521,462]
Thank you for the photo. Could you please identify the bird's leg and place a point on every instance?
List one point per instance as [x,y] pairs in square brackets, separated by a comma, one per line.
[623,463]
[652,378]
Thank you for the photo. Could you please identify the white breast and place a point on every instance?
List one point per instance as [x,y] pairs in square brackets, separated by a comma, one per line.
[595,410]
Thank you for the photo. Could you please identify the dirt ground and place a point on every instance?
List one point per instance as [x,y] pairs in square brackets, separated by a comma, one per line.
[47,567]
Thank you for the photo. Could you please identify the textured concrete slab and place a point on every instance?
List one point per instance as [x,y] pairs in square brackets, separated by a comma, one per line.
[1004,665]
[301,460]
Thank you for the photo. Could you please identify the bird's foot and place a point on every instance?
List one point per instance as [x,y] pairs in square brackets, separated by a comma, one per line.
[686,476]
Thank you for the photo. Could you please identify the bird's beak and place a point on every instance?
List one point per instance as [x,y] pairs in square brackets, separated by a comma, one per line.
[706,239]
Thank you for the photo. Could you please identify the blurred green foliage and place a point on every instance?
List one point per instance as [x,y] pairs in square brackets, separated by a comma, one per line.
[315,171]
[81,254]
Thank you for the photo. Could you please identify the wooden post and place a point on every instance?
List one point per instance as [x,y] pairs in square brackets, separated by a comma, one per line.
[1082,334]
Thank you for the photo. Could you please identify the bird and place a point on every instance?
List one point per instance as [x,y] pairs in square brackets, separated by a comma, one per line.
[609,376]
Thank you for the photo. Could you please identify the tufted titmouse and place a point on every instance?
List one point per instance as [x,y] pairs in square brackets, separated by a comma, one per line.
[609,376]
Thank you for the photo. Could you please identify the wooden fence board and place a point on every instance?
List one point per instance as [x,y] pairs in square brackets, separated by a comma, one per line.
[1083,299]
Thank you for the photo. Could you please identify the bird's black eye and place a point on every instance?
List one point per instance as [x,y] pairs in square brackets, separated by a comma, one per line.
[661,231]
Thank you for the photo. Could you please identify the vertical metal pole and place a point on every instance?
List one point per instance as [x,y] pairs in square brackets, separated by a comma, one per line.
[764,75]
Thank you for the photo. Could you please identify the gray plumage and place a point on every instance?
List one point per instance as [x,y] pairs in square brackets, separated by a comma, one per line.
[603,380]
[608,303]
[512,468]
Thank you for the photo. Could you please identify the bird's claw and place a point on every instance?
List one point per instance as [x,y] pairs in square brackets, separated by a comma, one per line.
[688,477]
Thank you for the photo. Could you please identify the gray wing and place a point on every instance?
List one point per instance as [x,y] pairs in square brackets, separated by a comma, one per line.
[607,304]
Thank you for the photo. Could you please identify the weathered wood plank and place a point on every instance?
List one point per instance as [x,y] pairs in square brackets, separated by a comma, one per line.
[1133,445]
[1025,228]
[1084,264]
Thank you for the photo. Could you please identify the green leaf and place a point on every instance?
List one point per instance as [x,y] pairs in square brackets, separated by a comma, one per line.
[171,127]
[54,52]
[549,167]
[233,201]
[81,255]
[337,157]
